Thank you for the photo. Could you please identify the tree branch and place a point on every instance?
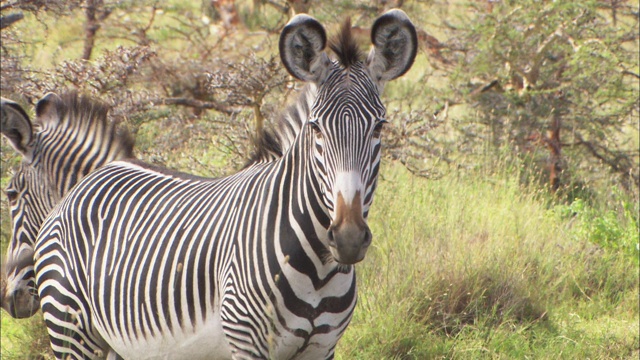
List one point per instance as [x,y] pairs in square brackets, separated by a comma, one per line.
[621,167]
[627,72]
[532,75]
[8,5]
[6,21]
[280,7]
[193,103]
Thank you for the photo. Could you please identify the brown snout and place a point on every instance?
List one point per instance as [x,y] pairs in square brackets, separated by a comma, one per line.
[349,235]
[20,304]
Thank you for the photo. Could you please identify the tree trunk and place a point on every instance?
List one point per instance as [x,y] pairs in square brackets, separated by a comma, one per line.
[90,28]
[95,13]
[259,118]
[8,20]
[555,149]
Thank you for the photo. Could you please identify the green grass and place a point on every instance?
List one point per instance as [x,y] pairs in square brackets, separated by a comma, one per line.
[472,266]
[476,266]
[23,338]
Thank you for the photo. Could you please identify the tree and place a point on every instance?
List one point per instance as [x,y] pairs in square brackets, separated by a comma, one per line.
[560,76]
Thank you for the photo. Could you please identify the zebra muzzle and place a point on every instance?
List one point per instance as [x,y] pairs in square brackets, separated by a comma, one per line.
[349,235]
[20,304]
[17,297]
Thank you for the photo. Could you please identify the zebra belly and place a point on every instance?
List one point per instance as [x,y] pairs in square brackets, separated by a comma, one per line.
[206,342]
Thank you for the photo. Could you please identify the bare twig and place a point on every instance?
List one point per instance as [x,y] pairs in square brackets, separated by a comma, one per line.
[627,72]
[283,8]
[196,104]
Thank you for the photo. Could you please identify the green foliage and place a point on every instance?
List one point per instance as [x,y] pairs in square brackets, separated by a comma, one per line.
[554,66]
[611,229]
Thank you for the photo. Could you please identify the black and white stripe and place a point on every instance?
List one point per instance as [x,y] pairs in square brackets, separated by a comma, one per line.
[141,262]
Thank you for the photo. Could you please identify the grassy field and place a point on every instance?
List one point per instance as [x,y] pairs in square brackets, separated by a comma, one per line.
[474,265]
[477,266]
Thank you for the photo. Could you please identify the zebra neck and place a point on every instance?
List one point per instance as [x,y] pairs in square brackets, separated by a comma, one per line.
[85,149]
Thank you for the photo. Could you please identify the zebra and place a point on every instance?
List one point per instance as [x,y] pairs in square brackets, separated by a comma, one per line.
[142,262]
[69,138]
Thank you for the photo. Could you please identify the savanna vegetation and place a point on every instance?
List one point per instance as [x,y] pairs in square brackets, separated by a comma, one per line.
[506,220]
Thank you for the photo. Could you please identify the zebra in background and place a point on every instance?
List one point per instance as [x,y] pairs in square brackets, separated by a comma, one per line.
[69,138]
[141,262]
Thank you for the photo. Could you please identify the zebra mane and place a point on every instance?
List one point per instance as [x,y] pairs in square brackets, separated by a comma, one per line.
[77,111]
[345,46]
[267,147]
[273,141]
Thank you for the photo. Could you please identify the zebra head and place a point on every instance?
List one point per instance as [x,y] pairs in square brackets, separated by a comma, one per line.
[69,137]
[17,297]
[347,116]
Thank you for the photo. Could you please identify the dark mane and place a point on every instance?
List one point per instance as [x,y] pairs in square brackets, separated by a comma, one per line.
[266,145]
[76,110]
[274,140]
[345,46]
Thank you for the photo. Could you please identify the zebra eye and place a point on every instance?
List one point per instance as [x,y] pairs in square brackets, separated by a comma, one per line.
[12,196]
[317,133]
[377,131]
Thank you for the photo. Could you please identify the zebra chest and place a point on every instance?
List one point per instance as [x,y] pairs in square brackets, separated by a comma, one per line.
[310,316]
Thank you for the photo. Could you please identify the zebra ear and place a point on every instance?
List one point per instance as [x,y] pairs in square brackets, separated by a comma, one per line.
[302,43]
[17,128]
[395,44]
[47,109]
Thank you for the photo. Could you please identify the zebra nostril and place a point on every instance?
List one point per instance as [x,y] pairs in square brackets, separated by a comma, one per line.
[367,237]
[332,241]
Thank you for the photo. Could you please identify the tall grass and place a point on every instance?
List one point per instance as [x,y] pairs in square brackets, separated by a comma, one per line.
[472,266]
[24,338]
[476,265]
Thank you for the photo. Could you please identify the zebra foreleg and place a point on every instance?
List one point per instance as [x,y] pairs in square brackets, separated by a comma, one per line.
[67,332]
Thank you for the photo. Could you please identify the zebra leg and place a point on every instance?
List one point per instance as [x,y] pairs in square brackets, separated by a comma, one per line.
[66,313]
[112,355]
[70,331]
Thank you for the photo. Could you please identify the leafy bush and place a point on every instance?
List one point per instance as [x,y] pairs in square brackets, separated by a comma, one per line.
[613,229]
